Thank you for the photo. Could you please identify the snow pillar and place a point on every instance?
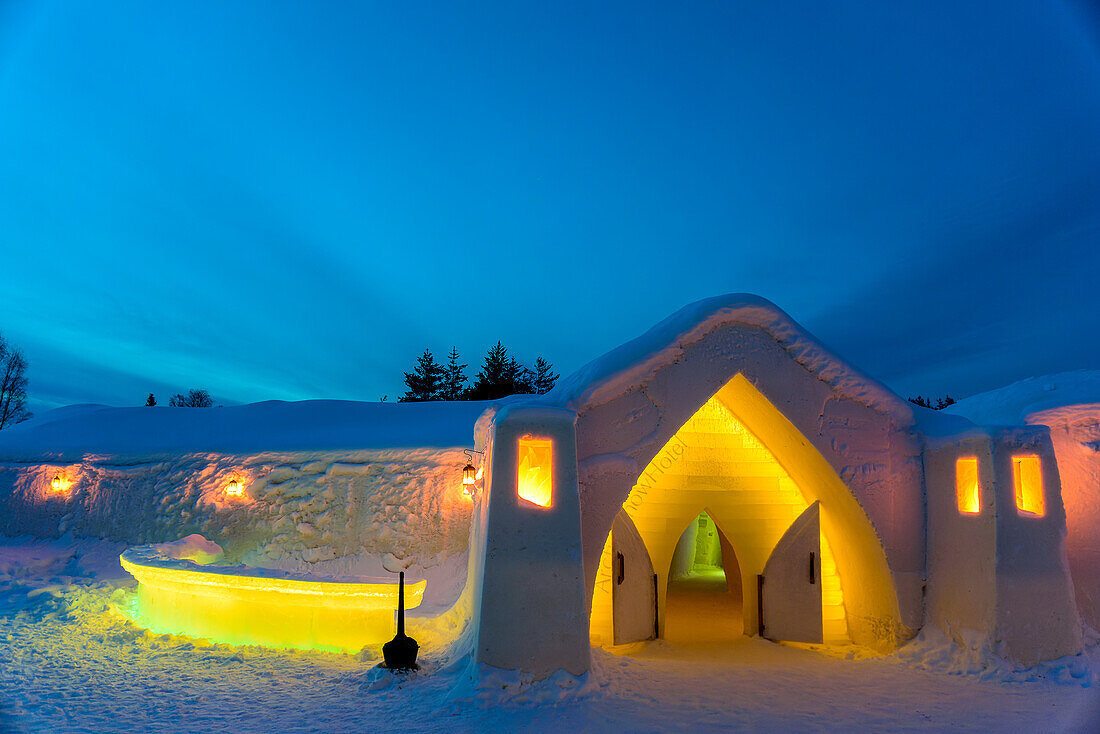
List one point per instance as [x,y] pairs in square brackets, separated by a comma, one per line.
[1036,612]
[532,612]
[997,574]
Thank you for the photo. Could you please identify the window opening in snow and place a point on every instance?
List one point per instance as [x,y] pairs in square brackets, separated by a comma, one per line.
[967,488]
[534,471]
[1027,477]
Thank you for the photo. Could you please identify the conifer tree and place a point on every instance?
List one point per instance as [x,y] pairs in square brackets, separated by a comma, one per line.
[940,404]
[454,378]
[544,376]
[520,378]
[494,380]
[150,401]
[425,381]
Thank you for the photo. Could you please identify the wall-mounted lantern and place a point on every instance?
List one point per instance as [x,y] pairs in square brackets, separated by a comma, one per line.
[60,484]
[470,474]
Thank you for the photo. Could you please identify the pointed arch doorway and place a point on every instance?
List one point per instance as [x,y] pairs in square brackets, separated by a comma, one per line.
[704,583]
[787,502]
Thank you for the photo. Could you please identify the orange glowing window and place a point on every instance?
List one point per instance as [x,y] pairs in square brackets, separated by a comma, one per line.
[1027,475]
[967,488]
[536,480]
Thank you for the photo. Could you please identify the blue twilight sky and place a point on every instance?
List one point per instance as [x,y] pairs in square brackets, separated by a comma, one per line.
[291,200]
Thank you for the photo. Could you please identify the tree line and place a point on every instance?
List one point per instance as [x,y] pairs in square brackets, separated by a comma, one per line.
[500,375]
[193,399]
[940,403]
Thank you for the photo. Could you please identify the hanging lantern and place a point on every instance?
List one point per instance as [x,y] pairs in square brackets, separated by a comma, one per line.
[60,484]
[469,477]
[234,488]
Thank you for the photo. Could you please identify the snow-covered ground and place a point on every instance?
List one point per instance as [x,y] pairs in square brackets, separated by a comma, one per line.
[70,660]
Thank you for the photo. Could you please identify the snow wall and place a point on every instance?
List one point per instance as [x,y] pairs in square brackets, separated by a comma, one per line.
[998,578]
[1069,404]
[1075,431]
[303,507]
[152,475]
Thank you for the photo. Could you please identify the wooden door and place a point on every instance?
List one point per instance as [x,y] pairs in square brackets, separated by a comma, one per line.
[633,584]
[790,589]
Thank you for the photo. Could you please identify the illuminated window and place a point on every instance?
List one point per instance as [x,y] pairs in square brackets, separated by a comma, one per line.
[1027,476]
[536,481]
[967,488]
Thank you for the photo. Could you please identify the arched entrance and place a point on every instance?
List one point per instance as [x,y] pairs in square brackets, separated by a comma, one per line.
[704,583]
[755,475]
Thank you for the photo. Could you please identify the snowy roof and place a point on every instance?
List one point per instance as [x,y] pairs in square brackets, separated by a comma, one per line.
[633,363]
[1012,404]
[275,425]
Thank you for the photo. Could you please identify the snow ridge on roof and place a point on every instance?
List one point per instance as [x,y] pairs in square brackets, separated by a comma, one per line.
[634,362]
[1013,404]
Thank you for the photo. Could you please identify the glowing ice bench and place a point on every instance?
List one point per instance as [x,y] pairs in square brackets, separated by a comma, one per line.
[241,605]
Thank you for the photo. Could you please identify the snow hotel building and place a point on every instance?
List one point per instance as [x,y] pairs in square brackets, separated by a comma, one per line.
[837,512]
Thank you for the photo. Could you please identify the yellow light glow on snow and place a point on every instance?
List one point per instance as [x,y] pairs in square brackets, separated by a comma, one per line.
[534,470]
[967,489]
[59,483]
[227,490]
[1027,476]
[239,609]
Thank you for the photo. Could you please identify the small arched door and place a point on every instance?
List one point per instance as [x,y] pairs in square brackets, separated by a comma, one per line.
[790,587]
[633,584]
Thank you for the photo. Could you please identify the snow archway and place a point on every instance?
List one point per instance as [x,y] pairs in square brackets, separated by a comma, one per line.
[739,458]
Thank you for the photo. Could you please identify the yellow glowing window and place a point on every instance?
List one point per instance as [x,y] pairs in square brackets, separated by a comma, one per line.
[536,480]
[966,484]
[1027,475]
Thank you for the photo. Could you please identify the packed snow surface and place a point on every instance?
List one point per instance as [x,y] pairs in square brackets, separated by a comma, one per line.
[70,660]
[309,425]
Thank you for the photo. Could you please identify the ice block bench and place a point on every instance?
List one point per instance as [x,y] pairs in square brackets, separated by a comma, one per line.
[241,605]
